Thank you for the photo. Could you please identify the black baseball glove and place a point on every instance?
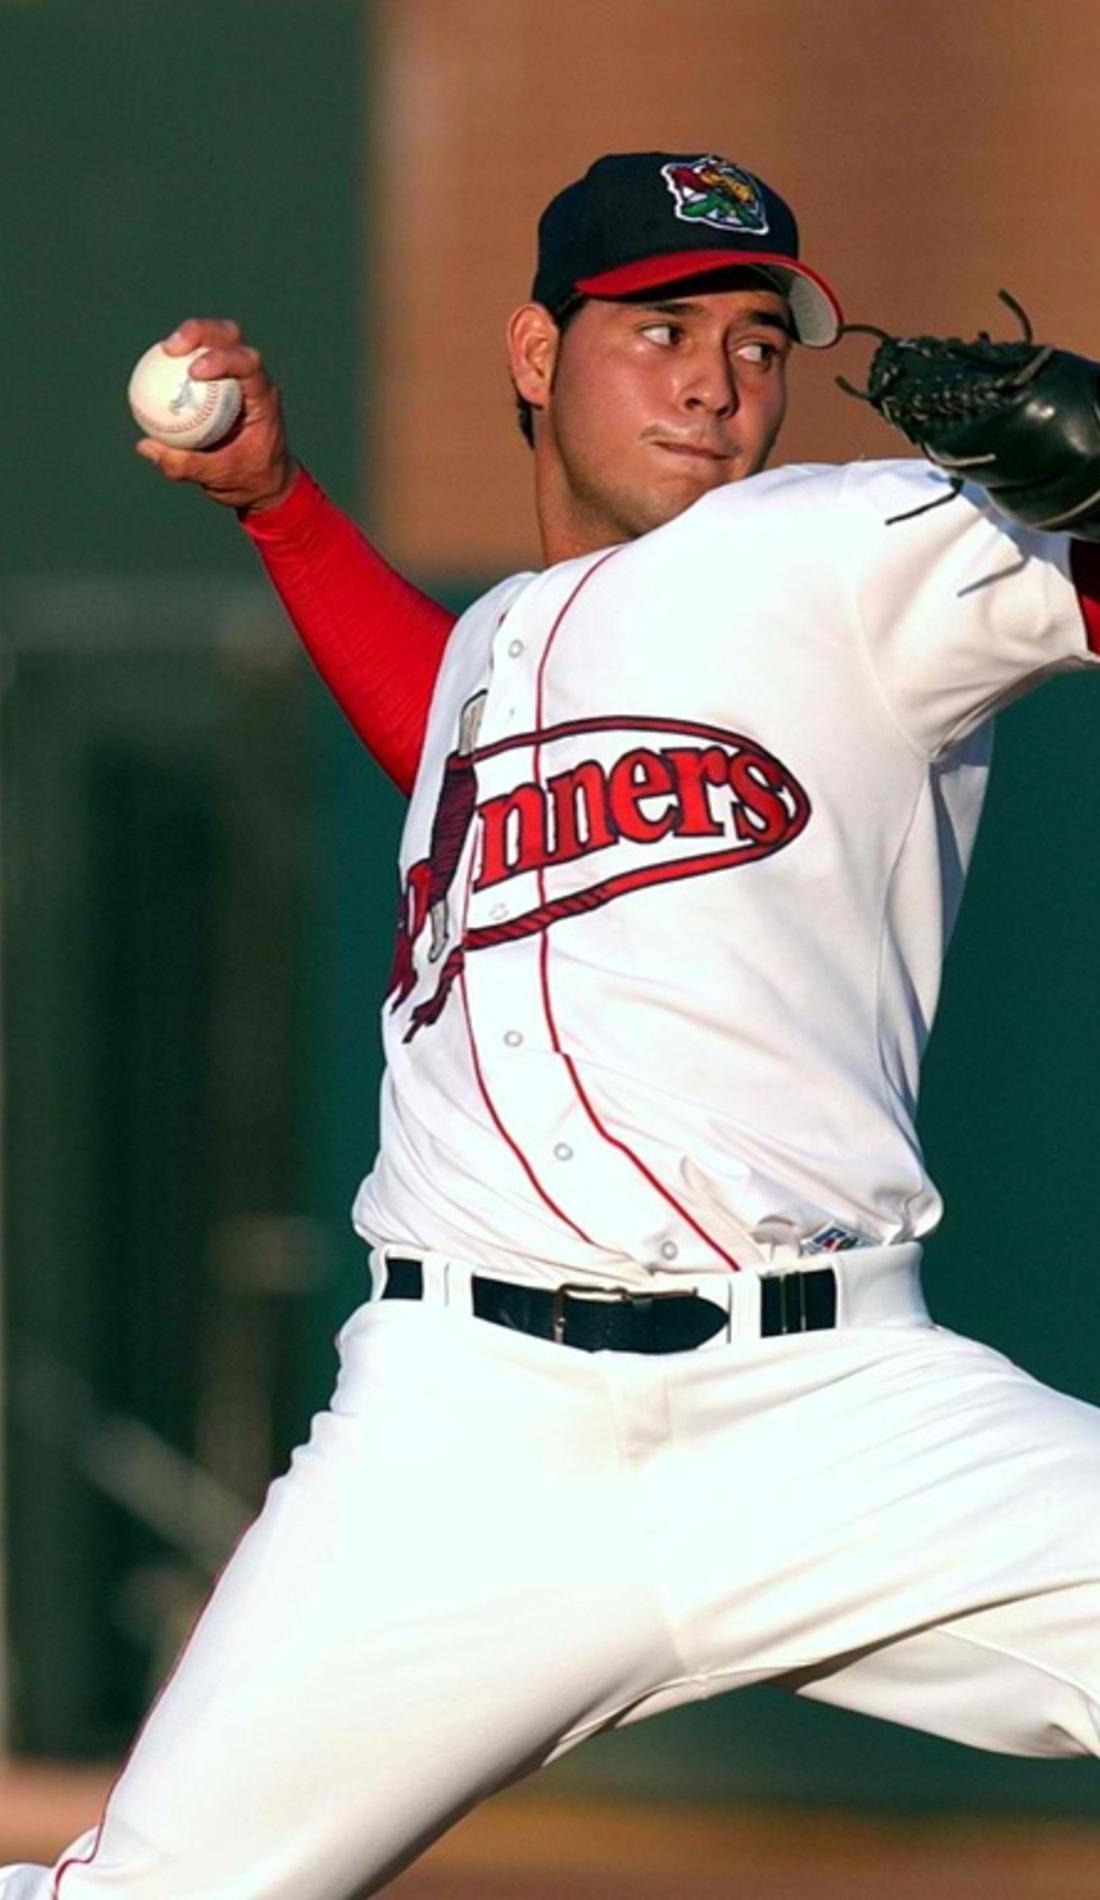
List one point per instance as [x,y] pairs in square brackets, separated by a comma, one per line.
[1022,420]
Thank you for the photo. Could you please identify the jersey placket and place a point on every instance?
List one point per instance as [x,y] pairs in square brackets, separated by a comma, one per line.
[527,1075]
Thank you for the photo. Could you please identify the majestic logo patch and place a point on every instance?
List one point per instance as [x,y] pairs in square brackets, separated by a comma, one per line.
[832,1238]
[712,191]
[619,804]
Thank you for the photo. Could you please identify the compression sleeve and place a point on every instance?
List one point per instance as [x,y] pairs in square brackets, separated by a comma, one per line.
[375,639]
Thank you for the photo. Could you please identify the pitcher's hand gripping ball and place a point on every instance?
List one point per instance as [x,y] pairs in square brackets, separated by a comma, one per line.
[170,407]
[1019,419]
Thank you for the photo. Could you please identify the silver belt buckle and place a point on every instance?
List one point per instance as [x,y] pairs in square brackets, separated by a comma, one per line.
[593,1293]
[560,1294]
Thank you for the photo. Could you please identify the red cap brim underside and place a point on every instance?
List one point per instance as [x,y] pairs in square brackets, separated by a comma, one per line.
[649,273]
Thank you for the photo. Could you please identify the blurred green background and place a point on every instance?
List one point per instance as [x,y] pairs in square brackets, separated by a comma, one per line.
[198,892]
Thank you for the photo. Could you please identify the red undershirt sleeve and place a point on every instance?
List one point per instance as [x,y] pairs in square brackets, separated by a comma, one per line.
[375,639]
[1084,562]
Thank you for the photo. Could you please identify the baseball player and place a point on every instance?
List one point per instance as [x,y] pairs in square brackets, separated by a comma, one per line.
[644,1402]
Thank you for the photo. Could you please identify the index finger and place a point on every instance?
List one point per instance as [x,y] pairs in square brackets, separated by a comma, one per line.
[196,333]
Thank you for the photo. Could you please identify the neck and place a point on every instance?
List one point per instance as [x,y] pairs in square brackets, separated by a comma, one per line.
[566,528]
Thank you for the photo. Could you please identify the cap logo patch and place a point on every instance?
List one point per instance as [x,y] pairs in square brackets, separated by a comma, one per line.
[712,191]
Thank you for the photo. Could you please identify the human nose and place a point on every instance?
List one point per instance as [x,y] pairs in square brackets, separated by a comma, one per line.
[712,386]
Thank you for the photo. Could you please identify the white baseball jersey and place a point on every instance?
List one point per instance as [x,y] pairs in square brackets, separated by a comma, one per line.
[683,856]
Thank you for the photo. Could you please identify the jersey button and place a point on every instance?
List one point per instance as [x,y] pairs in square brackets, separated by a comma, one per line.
[515,648]
[562,1151]
[513,1038]
[669,1250]
[498,912]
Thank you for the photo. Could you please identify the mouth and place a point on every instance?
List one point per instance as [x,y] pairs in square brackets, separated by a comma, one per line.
[696,452]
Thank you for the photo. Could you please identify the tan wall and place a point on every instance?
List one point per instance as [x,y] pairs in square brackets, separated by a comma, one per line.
[934,151]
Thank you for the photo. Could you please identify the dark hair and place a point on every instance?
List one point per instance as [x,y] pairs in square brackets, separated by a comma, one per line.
[563,317]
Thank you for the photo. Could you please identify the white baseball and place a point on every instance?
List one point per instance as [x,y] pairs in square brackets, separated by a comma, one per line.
[171,408]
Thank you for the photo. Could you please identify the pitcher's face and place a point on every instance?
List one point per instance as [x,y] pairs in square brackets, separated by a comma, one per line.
[641,408]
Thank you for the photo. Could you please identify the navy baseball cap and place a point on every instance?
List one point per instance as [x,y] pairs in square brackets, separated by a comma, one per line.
[640,220]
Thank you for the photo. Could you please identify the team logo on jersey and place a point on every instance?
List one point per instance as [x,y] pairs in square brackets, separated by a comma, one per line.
[619,805]
[712,191]
[425,893]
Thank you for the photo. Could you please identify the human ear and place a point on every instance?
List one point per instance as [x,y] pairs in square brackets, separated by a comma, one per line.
[533,339]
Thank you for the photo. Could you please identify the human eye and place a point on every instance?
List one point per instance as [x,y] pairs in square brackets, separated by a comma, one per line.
[663,333]
[758,350]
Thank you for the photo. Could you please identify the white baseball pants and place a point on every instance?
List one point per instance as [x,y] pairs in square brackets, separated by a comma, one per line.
[493,1546]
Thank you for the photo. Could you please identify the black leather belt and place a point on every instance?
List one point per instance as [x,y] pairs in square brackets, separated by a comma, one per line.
[594,1321]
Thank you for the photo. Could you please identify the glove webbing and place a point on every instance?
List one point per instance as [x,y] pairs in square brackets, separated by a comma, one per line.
[956,395]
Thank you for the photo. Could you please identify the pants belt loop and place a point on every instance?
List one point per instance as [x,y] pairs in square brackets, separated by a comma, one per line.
[746,1305]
